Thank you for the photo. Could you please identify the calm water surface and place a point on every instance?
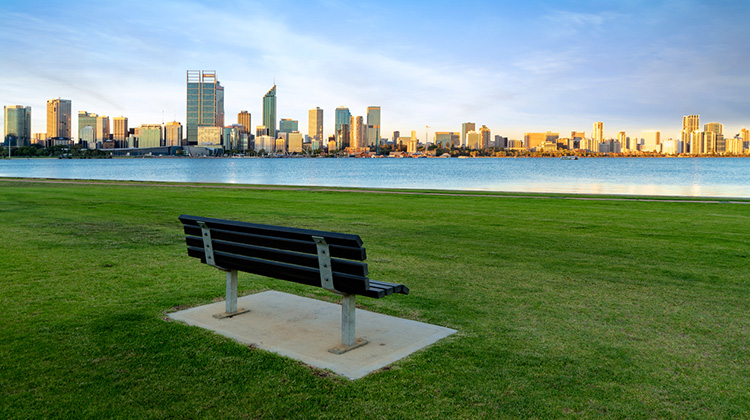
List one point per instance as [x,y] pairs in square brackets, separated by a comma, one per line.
[706,177]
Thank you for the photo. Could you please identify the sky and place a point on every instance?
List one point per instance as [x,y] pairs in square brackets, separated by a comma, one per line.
[513,66]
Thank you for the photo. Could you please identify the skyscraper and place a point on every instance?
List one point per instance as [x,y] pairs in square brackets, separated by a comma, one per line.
[373,125]
[598,133]
[17,126]
[102,128]
[244,119]
[357,132]
[690,123]
[58,119]
[205,102]
[465,128]
[269,111]
[120,132]
[485,136]
[315,124]
[343,117]
[172,133]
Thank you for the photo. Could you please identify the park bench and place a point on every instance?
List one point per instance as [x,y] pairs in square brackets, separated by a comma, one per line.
[333,261]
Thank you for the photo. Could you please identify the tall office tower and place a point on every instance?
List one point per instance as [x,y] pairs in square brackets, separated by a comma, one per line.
[697,142]
[465,128]
[244,119]
[269,111]
[598,133]
[624,146]
[287,125]
[172,133]
[373,125]
[714,138]
[690,123]
[745,135]
[205,102]
[120,132]
[357,133]
[396,135]
[343,119]
[651,141]
[86,119]
[485,135]
[102,128]
[58,119]
[315,124]
[17,126]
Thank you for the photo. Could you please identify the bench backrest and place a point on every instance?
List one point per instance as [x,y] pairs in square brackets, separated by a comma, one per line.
[280,252]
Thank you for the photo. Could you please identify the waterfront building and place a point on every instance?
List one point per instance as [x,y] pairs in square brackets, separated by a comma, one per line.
[172,133]
[205,102]
[745,135]
[465,128]
[651,141]
[447,139]
[265,143]
[58,121]
[412,143]
[532,140]
[17,126]
[373,125]
[669,147]
[624,146]
[473,140]
[485,135]
[287,125]
[396,135]
[734,146]
[120,132]
[269,111]
[697,141]
[102,128]
[598,134]
[515,144]
[245,120]
[149,135]
[501,141]
[357,133]
[315,124]
[87,137]
[342,120]
[715,140]
[232,137]
[87,120]
[209,136]
[295,142]
[690,123]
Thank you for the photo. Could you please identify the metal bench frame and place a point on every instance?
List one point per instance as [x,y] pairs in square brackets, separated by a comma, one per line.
[348,304]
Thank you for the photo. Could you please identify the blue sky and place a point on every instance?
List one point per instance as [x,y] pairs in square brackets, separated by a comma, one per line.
[513,66]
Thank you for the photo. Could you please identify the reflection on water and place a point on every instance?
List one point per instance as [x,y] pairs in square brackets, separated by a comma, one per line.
[707,177]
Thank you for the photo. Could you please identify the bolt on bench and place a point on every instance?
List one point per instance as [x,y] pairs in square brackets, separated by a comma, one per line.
[333,261]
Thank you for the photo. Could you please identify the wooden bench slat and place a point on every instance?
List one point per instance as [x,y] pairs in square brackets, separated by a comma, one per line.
[306,246]
[333,238]
[344,283]
[290,257]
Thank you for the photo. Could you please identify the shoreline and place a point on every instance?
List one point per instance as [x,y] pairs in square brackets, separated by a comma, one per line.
[396,191]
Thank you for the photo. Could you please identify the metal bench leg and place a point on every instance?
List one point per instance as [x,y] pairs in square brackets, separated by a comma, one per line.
[231,297]
[348,322]
[231,291]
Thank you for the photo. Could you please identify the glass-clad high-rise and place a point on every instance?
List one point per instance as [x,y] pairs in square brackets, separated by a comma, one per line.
[17,126]
[205,102]
[269,111]
[343,119]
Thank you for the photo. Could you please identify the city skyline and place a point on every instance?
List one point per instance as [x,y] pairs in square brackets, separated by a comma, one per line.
[535,67]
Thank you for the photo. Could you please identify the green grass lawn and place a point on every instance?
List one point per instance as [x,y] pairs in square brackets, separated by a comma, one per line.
[564,309]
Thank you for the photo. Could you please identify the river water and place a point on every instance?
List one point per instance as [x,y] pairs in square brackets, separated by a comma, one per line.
[691,177]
